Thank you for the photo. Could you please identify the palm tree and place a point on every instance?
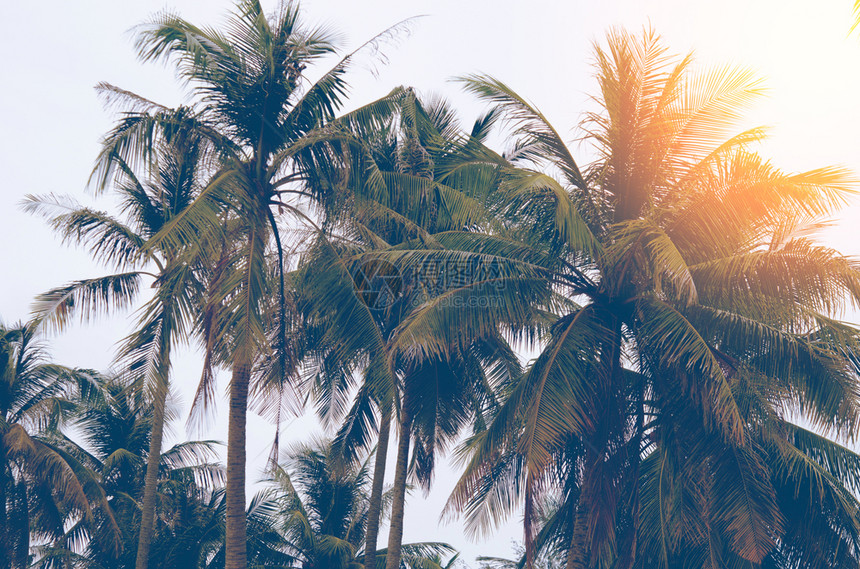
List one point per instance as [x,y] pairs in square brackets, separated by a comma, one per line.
[40,483]
[688,299]
[549,560]
[150,200]
[279,146]
[324,507]
[114,419]
[193,534]
[312,513]
[413,195]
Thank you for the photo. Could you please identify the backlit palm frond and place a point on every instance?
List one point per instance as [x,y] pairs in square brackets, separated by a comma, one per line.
[428,555]
[744,503]
[561,393]
[710,104]
[71,482]
[463,312]
[742,199]
[358,427]
[819,278]
[537,202]
[634,83]
[134,143]
[352,333]
[490,490]
[125,101]
[811,462]
[823,381]
[189,453]
[320,101]
[197,49]
[556,397]
[668,269]
[538,135]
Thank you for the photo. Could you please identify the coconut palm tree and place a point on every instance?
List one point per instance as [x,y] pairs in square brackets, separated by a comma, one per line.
[40,483]
[548,561]
[414,194]
[115,421]
[685,277]
[324,508]
[150,199]
[279,146]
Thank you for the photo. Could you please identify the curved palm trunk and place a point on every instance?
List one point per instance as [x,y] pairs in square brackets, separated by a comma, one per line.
[374,509]
[591,505]
[395,534]
[153,460]
[236,534]
[150,484]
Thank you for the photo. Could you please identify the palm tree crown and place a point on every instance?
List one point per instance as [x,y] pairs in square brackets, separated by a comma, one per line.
[694,396]
[693,305]
[41,484]
[278,145]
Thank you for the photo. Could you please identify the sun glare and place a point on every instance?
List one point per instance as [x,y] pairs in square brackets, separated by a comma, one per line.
[810,63]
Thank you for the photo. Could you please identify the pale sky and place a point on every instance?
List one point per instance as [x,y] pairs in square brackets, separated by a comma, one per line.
[51,120]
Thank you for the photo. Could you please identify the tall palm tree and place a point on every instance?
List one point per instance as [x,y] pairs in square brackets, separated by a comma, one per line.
[40,483]
[685,280]
[150,199]
[411,197]
[279,146]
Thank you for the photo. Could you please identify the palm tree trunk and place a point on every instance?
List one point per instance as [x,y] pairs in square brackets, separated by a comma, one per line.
[236,536]
[374,509]
[592,505]
[5,553]
[637,462]
[576,551]
[22,541]
[594,500]
[150,484]
[395,534]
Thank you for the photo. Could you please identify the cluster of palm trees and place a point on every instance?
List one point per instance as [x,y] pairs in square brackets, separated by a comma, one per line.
[694,392]
[76,462]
